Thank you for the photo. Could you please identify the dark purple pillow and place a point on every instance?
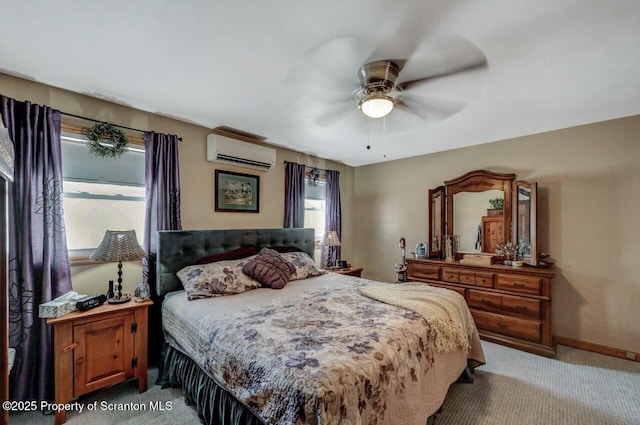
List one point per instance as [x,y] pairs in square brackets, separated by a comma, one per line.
[269,268]
[236,254]
[284,249]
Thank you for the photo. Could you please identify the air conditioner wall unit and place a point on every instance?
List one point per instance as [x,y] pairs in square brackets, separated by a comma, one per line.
[241,154]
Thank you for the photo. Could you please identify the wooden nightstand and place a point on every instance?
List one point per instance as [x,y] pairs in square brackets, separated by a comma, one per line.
[97,348]
[351,271]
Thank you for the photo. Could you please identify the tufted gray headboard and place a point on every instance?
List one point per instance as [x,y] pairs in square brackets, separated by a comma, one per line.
[179,248]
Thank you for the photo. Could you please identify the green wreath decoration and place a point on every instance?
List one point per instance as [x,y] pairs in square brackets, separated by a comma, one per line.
[106,141]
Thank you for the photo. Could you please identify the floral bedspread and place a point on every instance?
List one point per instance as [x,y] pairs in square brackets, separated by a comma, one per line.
[328,356]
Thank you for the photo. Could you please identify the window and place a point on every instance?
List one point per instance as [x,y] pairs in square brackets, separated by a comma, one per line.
[100,194]
[314,205]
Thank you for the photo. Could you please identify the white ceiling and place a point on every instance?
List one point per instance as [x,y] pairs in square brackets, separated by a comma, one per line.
[551,64]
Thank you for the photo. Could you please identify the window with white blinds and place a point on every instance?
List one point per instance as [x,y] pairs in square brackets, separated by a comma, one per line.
[314,206]
[100,193]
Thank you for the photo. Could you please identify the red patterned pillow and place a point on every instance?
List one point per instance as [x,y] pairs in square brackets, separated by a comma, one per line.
[269,268]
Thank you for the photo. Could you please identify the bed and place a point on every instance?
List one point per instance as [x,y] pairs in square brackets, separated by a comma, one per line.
[320,350]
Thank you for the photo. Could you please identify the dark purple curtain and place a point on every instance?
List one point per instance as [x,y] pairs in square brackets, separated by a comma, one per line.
[38,257]
[293,195]
[162,188]
[333,213]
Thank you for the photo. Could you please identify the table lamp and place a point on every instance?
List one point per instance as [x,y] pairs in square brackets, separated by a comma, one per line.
[119,245]
[329,239]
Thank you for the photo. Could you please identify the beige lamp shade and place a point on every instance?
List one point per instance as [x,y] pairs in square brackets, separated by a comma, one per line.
[119,245]
[330,239]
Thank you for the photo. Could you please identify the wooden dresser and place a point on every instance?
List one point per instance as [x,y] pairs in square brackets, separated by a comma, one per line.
[510,305]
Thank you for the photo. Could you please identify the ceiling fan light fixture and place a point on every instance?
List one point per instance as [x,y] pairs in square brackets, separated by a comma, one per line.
[376,105]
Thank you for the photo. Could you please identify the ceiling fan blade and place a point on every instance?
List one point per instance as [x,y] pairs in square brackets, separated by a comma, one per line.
[430,108]
[441,57]
[330,115]
[328,71]
[418,83]
[400,40]
[318,113]
[400,120]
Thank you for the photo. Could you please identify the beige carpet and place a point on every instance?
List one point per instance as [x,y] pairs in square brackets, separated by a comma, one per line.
[513,388]
[577,388]
[172,402]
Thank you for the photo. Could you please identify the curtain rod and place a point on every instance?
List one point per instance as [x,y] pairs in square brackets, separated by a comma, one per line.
[308,166]
[117,125]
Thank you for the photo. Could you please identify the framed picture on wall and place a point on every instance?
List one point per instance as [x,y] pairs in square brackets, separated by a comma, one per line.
[237,192]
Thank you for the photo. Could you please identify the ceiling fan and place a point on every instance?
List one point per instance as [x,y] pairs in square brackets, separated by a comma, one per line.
[344,82]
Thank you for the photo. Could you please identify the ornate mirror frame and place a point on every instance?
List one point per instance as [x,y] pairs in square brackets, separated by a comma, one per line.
[480,181]
[437,212]
[525,220]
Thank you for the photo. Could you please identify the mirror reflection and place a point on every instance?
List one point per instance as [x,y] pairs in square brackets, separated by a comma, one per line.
[437,217]
[524,221]
[479,225]
[436,209]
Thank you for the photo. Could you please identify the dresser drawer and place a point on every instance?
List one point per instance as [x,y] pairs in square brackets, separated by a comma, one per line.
[451,275]
[524,306]
[518,283]
[475,278]
[526,329]
[459,290]
[503,303]
[484,279]
[484,300]
[423,271]
[468,278]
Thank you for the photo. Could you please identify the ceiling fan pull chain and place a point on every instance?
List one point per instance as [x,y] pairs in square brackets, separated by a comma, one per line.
[368,133]
[384,137]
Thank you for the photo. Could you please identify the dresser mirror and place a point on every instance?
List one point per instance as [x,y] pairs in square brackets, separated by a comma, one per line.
[524,221]
[477,226]
[470,208]
[436,220]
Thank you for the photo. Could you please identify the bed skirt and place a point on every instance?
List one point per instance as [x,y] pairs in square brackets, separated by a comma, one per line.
[214,404]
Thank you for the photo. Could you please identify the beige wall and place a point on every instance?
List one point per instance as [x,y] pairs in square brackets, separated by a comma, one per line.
[589,208]
[196,176]
[589,181]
